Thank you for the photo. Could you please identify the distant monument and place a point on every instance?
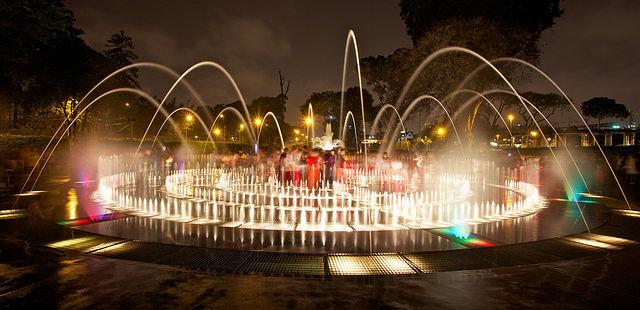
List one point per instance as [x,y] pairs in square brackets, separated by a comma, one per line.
[327,142]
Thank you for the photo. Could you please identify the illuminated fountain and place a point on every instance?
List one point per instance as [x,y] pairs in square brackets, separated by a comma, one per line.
[327,142]
[375,199]
[370,195]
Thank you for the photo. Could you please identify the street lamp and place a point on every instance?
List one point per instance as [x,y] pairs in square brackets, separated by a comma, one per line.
[441,132]
[217,132]
[533,134]
[240,130]
[257,121]
[308,120]
[510,117]
[188,119]
[224,126]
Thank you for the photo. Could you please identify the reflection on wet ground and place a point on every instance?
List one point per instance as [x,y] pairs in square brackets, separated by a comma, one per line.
[74,206]
[40,278]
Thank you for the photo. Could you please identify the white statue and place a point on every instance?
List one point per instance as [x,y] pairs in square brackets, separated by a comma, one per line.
[326,142]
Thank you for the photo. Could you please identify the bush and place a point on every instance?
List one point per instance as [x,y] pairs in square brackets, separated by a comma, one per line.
[11,143]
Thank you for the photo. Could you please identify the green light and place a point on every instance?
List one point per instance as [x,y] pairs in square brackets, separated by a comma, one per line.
[462,236]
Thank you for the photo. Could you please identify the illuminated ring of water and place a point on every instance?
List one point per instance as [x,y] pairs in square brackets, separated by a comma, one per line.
[236,197]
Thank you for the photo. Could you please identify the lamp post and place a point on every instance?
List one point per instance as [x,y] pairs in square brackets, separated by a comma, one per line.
[533,134]
[511,118]
[441,132]
[224,126]
[240,130]
[188,120]
[258,122]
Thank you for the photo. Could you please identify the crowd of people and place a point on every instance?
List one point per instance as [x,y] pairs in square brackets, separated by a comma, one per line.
[313,167]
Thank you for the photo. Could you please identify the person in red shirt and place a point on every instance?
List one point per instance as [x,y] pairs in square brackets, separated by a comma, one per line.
[313,169]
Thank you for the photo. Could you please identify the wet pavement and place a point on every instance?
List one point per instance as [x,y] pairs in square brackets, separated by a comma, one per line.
[40,277]
[558,273]
[72,205]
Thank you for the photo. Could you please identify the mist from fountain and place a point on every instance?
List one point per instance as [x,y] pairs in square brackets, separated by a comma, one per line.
[480,95]
[564,145]
[399,207]
[483,96]
[113,91]
[161,68]
[175,84]
[390,142]
[561,91]
[446,50]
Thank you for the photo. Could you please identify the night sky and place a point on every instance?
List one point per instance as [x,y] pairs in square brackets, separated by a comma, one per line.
[593,50]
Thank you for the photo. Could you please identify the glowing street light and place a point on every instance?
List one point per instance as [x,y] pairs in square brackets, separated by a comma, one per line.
[296,131]
[188,120]
[217,132]
[258,121]
[241,127]
[534,133]
[308,120]
[441,132]
[510,117]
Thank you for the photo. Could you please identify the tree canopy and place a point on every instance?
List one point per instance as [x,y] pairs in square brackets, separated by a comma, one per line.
[45,66]
[327,104]
[531,17]
[603,107]
[492,28]
[119,50]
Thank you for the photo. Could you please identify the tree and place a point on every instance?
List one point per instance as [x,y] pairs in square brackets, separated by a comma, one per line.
[549,104]
[28,31]
[326,105]
[387,75]
[492,28]
[603,107]
[261,105]
[45,66]
[283,90]
[530,17]
[119,50]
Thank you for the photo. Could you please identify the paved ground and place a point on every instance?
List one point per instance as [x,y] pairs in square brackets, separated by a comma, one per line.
[32,276]
[39,277]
